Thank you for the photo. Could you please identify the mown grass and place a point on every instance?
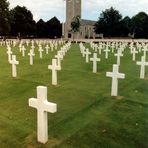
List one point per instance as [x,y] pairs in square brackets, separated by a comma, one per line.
[87,117]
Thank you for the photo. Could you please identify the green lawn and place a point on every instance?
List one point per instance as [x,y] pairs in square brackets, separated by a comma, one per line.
[87,117]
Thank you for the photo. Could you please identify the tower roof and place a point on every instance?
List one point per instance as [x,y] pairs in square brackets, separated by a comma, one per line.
[87,22]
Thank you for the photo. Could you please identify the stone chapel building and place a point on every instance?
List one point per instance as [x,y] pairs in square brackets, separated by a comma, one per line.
[73,8]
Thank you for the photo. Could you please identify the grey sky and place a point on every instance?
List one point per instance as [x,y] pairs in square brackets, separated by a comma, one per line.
[91,9]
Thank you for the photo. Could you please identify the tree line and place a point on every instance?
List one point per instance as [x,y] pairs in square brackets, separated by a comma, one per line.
[19,22]
[111,24]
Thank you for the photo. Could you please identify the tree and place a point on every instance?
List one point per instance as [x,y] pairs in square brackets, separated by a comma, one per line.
[22,22]
[109,23]
[139,25]
[54,28]
[75,25]
[125,26]
[4,17]
[41,29]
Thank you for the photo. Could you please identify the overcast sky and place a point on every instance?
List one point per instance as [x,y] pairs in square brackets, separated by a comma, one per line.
[91,9]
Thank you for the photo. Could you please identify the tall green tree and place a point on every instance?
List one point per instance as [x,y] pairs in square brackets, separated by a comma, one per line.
[22,22]
[41,29]
[75,25]
[109,23]
[139,25]
[54,28]
[4,17]
[125,26]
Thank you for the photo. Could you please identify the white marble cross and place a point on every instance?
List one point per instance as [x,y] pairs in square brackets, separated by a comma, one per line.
[145,49]
[27,43]
[47,49]
[115,76]
[96,47]
[94,60]
[118,55]
[43,107]
[59,58]
[143,63]
[100,49]
[87,53]
[20,47]
[23,51]
[14,63]
[139,46]
[51,46]
[56,45]
[40,51]
[32,47]
[63,51]
[31,54]
[83,52]
[54,67]
[106,52]
[113,47]
[134,52]
[9,52]
[131,47]
[14,43]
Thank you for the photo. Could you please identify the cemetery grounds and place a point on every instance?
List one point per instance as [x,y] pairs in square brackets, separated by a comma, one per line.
[87,116]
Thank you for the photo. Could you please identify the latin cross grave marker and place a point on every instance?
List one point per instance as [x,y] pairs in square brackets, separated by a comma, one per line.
[43,107]
[115,76]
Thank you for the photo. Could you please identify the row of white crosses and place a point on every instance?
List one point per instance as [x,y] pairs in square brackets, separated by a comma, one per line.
[115,74]
[142,48]
[56,63]
[54,42]
[52,46]
[121,46]
[85,53]
[43,106]
[41,103]
[12,58]
[138,48]
[31,53]
[26,42]
[9,42]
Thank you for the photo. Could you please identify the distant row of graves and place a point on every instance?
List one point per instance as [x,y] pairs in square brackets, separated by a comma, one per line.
[106,47]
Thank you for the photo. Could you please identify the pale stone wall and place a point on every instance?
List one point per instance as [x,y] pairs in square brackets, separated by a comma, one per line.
[87,31]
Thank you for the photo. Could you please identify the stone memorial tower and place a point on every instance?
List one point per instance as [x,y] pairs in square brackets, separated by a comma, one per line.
[73,8]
